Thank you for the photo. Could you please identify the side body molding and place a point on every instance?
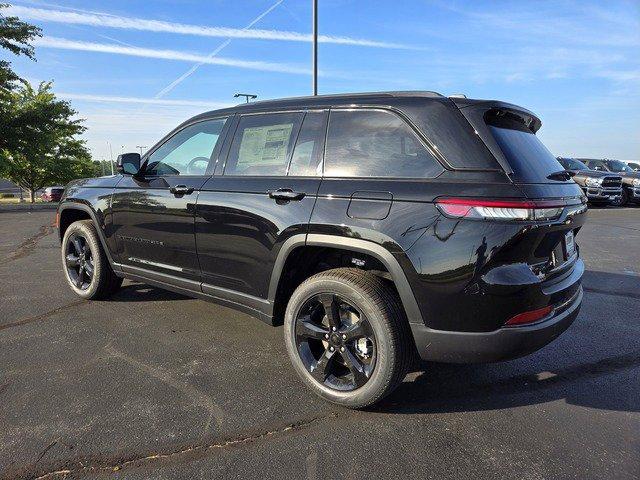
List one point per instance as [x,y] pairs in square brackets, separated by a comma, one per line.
[357,245]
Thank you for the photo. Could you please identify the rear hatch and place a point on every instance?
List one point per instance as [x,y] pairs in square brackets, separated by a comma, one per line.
[509,132]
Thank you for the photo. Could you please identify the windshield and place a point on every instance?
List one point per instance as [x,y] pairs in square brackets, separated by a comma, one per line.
[618,166]
[573,164]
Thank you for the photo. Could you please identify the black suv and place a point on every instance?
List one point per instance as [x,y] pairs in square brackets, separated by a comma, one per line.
[599,187]
[630,178]
[377,227]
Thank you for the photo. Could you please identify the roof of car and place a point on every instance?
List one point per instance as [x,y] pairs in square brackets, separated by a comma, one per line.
[322,101]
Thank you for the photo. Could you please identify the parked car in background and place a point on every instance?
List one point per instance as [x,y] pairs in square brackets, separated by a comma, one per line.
[52,194]
[630,178]
[377,227]
[599,187]
[634,166]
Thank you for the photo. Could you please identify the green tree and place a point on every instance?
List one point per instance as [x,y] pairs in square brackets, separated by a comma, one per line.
[15,36]
[38,143]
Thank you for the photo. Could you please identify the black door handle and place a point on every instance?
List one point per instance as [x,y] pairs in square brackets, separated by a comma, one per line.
[181,190]
[285,194]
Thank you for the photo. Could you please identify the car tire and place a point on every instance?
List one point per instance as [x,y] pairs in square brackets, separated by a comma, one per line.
[82,251]
[373,301]
[624,199]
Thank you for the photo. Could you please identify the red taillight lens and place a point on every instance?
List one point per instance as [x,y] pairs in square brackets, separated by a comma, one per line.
[481,208]
[530,316]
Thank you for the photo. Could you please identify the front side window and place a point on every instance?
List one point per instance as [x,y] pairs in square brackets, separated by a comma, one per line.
[188,152]
[262,144]
[375,143]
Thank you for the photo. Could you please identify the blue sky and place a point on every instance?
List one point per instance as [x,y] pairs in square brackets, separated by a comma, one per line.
[135,69]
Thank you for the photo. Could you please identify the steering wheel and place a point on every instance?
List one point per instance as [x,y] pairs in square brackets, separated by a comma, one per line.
[192,163]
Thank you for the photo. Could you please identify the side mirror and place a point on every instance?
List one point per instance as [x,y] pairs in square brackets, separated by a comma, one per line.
[128,163]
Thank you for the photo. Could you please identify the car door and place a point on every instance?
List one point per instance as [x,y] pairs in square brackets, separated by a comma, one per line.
[262,195]
[153,213]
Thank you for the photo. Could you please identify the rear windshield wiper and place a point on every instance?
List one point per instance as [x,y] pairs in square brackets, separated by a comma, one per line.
[561,175]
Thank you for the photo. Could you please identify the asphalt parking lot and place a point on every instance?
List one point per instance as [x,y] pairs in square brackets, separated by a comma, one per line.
[155,385]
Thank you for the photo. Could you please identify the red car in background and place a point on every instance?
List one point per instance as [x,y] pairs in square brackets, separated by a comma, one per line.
[52,194]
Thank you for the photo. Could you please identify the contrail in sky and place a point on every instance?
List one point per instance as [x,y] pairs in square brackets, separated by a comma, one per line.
[190,72]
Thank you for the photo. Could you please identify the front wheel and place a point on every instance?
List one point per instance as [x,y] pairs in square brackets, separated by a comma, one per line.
[85,264]
[347,337]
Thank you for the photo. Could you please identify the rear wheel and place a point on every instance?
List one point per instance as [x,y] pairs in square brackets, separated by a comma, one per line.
[347,337]
[85,264]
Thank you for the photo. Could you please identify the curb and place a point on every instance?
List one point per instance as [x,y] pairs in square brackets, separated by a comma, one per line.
[28,207]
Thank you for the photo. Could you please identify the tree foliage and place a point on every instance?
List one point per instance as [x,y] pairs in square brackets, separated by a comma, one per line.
[38,141]
[15,36]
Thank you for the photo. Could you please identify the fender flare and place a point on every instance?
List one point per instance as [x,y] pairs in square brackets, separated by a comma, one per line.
[93,215]
[357,245]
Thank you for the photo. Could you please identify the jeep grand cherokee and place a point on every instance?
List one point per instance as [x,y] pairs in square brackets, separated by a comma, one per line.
[378,227]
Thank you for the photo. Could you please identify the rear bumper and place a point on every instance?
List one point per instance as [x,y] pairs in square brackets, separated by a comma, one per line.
[502,344]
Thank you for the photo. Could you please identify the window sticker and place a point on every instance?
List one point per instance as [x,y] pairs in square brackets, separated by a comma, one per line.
[264,145]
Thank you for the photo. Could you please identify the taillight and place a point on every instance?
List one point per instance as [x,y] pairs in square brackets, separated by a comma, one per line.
[530,316]
[481,208]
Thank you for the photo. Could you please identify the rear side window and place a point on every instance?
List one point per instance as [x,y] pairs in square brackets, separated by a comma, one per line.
[262,144]
[375,143]
[529,159]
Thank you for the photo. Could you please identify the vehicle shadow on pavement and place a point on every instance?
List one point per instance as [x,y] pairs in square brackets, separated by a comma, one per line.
[594,364]
[446,388]
[139,292]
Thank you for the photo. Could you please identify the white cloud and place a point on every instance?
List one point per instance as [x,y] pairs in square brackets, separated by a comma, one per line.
[129,23]
[621,75]
[223,45]
[141,100]
[126,126]
[65,44]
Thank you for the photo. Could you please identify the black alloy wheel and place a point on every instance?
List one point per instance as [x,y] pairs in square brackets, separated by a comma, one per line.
[79,262]
[335,342]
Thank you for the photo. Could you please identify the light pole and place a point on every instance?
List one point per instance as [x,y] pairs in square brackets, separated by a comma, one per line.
[141,147]
[111,157]
[247,96]
[315,47]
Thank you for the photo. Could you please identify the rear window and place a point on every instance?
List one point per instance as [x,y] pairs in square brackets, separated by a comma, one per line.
[529,159]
